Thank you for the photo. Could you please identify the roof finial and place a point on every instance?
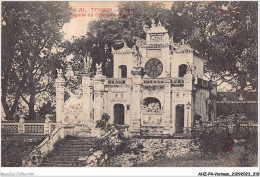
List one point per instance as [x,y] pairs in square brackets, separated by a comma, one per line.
[125,44]
[112,49]
[159,23]
[153,23]
[182,41]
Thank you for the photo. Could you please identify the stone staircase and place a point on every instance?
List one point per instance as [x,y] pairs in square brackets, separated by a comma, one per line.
[67,152]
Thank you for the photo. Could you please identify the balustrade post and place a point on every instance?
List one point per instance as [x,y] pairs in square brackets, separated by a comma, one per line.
[60,83]
[62,133]
[21,125]
[47,125]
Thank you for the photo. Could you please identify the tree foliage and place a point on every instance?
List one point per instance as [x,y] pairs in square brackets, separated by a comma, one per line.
[224,34]
[31,37]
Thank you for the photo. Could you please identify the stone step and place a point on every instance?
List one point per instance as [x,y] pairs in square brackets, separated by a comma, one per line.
[76,145]
[73,151]
[79,142]
[62,158]
[68,151]
[58,165]
[61,161]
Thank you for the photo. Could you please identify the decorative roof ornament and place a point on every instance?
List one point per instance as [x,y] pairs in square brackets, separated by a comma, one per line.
[69,71]
[182,47]
[106,48]
[145,27]
[112,49]
[59,73]
[182,42]
[153,22]
[138,58]
[189,67]
[124,50]
[154,45]
[171,40]
[134,49]
[99,68]
[241,98]
[156,29]
[159,23]
[87,64]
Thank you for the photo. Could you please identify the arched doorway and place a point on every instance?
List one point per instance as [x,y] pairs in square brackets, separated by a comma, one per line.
[119,114]
[182,70]
[179,120]
[122,71]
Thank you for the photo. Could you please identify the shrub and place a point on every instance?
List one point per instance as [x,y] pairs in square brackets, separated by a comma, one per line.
[103,122]
[212,139]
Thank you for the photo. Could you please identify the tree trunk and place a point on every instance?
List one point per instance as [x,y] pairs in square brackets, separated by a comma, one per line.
[32,115]
[10,110]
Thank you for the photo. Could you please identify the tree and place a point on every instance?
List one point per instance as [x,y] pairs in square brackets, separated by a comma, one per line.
[225,35]
[31,37]
[112,32]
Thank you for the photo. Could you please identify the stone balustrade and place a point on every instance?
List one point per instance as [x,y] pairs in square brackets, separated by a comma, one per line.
[37,155]
[157,81]
[116,81]
[28,128]
[178,81]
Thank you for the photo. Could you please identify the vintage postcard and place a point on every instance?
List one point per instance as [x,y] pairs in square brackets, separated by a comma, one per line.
[129,84]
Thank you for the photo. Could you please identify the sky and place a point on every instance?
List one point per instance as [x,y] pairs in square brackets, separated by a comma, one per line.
[78,25]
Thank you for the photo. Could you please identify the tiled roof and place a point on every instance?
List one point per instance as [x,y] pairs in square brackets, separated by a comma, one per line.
[157,29]
[183,49]
[124,50]
[154,45]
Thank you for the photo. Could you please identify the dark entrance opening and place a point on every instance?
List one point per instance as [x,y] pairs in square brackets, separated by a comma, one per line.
[119,114]
[179,121]
[182,70]
[123,71]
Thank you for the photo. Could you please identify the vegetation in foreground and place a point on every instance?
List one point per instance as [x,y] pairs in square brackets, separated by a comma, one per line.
[235,159]
[13,148]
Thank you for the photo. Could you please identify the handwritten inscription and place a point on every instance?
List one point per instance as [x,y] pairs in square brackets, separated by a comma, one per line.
[102,12]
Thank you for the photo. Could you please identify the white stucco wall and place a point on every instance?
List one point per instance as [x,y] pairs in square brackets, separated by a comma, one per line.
[122,59]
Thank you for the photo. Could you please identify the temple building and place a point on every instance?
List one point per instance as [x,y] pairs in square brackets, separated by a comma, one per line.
[157,89]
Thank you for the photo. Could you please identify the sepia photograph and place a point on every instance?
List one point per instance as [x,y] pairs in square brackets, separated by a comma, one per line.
[129,84]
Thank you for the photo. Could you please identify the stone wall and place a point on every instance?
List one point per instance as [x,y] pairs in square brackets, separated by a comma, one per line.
[153,149]
[146,150]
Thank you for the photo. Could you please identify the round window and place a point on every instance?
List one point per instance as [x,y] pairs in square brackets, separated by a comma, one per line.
[153,68]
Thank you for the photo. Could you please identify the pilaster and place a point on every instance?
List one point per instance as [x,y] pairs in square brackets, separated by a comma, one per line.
[136,102]
[60,82]
[188,100]
[98,85]
[167,106]
[87,99]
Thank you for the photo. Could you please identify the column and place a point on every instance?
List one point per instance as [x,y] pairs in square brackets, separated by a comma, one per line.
[167,106]
[60,97]
[173,119]
[187,113]
[188,100]
[137,97]
[87,99]
[136,105]
[98,86]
